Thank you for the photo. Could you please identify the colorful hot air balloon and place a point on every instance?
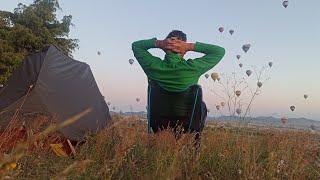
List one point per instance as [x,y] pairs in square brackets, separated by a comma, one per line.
[238,93]
[131,61]
[238,57]
[221,29]
[246,47]
[306,96]
[292,108]
[214,76]
[270,64]
[285,4]
[238,111]
[248,72]
[207,76]
[241,65]
[231,31]
[218,107]
[259,84]
[284,120]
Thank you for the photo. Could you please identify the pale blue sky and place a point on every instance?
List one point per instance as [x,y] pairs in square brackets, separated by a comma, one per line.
[289,37]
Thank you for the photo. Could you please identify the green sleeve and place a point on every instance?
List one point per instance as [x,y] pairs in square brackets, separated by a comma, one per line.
[213,54]
[141,53]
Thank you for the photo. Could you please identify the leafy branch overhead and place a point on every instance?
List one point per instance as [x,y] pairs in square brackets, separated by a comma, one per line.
[28,29]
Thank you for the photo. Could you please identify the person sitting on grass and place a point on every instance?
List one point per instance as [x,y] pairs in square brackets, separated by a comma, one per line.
[175,74]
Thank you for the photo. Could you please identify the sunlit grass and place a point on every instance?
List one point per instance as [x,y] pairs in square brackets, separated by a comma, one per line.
[126,151]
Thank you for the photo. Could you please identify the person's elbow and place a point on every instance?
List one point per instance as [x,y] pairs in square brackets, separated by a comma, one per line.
[222,52]
[218,55]
[136,49]
[134,46]
[217,52]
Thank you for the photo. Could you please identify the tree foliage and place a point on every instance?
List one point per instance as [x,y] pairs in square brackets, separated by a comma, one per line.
[28,29]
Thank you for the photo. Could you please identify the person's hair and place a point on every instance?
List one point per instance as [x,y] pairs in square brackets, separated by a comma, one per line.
[178,34]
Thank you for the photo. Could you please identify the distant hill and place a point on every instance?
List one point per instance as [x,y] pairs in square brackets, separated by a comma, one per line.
[140,113]
[297,123]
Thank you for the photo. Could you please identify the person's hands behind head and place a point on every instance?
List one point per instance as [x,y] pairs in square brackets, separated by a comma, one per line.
[164,44]
[175,45]
[179,47]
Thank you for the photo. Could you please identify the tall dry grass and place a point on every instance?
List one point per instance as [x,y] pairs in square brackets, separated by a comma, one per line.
[126,151]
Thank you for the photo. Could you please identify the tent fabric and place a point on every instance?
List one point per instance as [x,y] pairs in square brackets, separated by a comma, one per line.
[24,76]
[62,87]
[184,106]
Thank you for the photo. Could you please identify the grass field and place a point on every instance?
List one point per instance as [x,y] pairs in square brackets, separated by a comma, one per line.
[125,151]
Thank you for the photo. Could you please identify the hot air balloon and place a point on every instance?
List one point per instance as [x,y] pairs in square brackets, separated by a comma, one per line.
[306,96]
[99,53]
[241,65]
[292,108]
[238,93]
[221,29]
[284,120]
[109,103]
[259,84]
[214,76]
[246,47]
[313,127]
[248,72]
[238,57]
[231,31]
[285,4]
[238,111]
[207,76]
[131,61]
[218,107]
[222,104]
[137,99]
[270,64]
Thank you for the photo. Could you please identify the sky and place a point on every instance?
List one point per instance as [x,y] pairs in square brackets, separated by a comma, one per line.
[287,37]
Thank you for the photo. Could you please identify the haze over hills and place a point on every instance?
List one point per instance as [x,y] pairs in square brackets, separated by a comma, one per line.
[142,114]
[270,121]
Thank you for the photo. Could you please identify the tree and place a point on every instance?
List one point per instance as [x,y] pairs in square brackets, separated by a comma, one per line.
[29,29]
[236,94]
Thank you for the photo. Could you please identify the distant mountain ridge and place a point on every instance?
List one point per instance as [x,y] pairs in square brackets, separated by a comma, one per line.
[142,114]
[297,123]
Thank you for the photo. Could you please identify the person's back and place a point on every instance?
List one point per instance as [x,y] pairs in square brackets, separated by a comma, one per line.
[174,73]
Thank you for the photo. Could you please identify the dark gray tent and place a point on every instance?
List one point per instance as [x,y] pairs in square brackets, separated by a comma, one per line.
[61,87]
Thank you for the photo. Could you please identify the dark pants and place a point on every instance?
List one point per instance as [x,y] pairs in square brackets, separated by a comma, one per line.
[182,123]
